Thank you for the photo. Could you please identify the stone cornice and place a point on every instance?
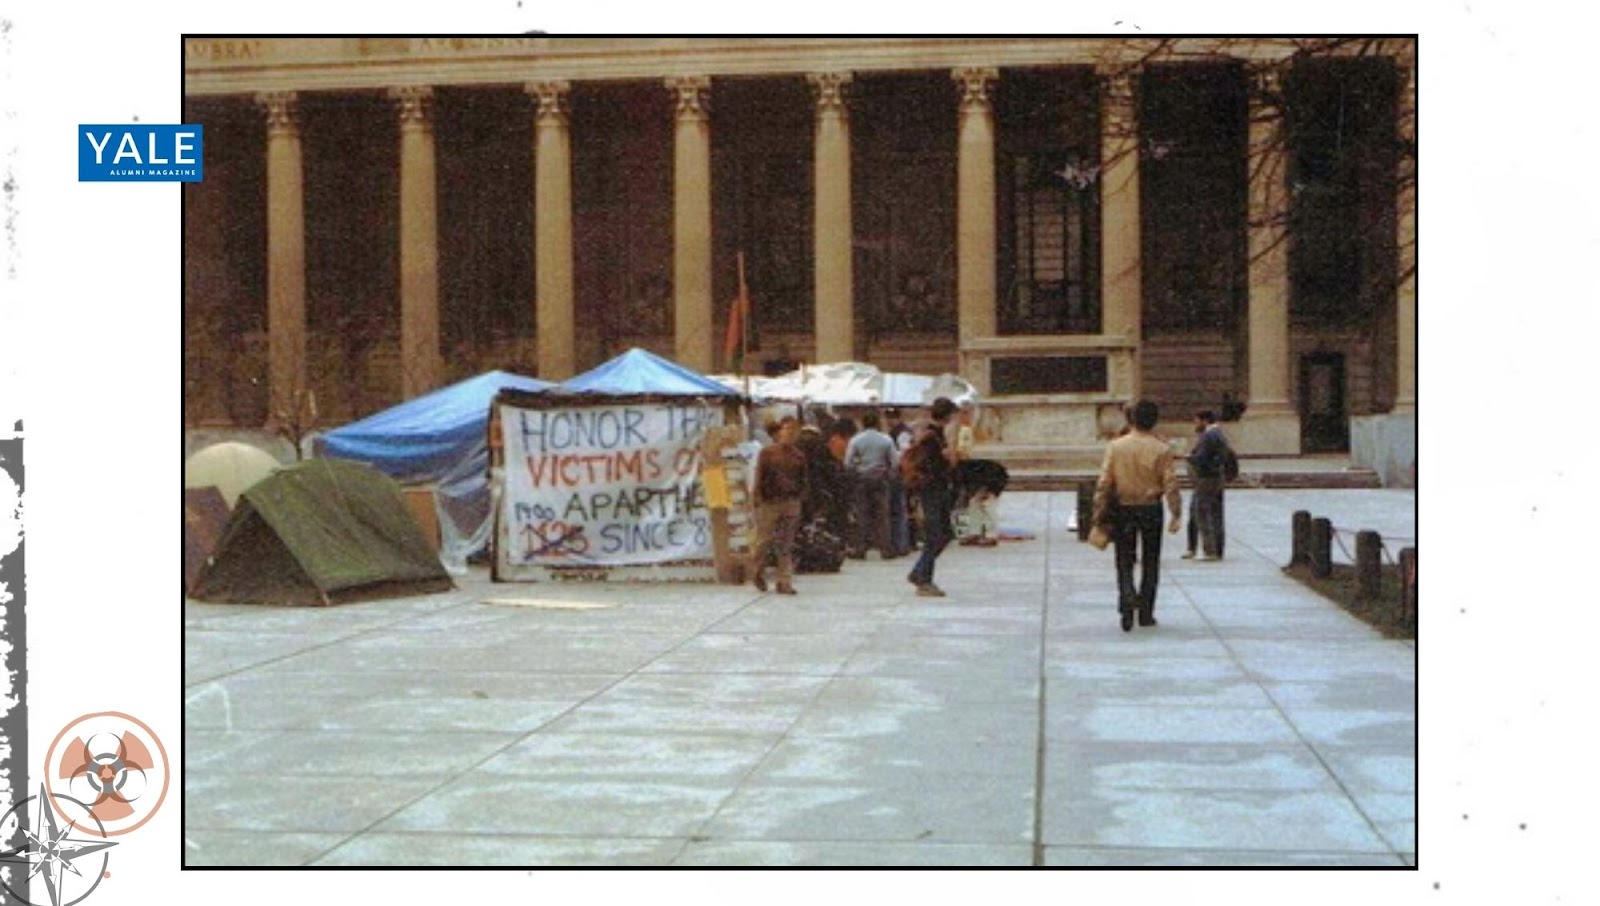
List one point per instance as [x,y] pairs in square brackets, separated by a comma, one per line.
[250,65]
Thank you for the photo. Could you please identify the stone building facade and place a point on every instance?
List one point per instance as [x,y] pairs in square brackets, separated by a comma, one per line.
[1068,223]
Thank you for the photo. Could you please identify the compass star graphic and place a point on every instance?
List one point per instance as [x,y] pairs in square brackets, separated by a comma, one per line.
[51,849]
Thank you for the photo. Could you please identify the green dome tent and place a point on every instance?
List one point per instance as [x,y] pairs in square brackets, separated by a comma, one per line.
[321,532]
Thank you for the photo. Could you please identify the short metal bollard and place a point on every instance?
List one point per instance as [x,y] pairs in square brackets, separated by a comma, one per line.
[1300,551]
[1408,583]
[1085,508]
[1369,565]
[1321,548]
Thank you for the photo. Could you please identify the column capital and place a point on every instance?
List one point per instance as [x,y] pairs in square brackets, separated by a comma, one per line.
[692,95]
[1266,84]
[554,99]
[1119,111]
[975,82]
[1117,81]
[283,111]
[415,103]
[828,89]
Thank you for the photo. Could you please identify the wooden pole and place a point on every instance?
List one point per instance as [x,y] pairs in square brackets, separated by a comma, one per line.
[1369,565]
[1321,548]
[1301,527]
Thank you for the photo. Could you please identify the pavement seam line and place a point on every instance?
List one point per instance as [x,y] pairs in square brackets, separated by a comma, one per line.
[1039,752]
[699,831]
[1278,708]
[318,647]
[520,738]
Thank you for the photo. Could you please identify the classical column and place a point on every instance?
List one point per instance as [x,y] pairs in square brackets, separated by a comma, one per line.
[691,222]
[552,232]
[835,309]
[1270,424]
[1405,398]
[286,258]
[1121,286]
[419,243]
[975,213]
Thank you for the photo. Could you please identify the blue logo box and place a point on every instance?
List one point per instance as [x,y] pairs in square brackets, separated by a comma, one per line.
[137,153]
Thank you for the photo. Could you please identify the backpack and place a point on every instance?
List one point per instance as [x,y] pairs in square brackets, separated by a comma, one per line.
[817,550]
[1230,464]
[914,467]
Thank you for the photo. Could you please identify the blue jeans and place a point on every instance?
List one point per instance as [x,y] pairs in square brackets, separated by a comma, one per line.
[935,531]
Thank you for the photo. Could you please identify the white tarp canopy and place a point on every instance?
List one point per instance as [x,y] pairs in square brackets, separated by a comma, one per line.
[854,384]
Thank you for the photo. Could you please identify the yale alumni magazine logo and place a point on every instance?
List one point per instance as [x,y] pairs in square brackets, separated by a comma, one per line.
[137,153]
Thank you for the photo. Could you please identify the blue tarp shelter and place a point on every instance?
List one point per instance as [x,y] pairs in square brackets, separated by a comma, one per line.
[640,371]
[442,438]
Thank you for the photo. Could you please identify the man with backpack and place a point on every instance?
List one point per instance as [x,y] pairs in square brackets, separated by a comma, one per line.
[1213,464]
[927,471]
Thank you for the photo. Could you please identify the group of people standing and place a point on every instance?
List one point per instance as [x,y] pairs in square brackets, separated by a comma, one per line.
[1138,475]
[863,487]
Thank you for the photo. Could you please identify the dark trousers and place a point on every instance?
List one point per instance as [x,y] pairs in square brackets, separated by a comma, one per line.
[871,501]
[899,518]
[935,531]
[1137,531]
[1208,514]
[1192,530]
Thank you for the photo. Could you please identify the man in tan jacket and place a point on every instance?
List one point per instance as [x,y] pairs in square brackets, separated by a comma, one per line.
[1138,474]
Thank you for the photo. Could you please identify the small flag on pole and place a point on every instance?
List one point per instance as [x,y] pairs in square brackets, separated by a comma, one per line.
[735,343]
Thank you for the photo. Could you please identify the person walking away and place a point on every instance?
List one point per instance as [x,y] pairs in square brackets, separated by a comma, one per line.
[1208,463]
[870,458]
[780,483]
[1138,474]
[929,474]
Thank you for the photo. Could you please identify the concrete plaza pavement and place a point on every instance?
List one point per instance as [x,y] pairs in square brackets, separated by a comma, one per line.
[1010,723]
